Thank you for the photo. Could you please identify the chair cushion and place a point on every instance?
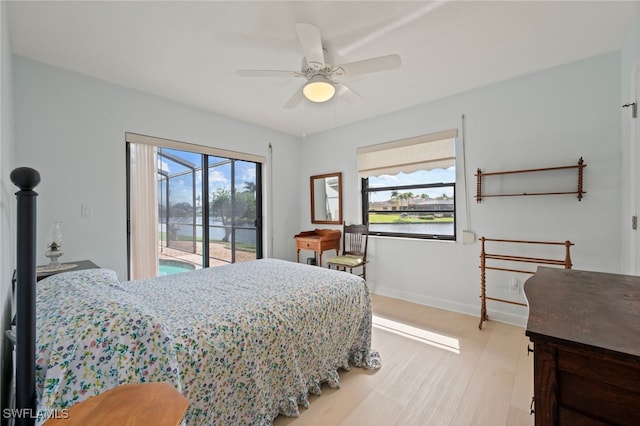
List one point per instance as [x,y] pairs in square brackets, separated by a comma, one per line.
[348,261]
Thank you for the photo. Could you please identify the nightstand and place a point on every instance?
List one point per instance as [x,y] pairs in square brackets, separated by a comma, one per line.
[82,264]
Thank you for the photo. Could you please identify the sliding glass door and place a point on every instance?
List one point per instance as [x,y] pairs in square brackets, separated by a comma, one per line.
[209,210]
[233,212]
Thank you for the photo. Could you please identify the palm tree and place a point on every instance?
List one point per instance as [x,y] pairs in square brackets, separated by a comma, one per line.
[249,186]
[221,204]
[406,196]
[409,197]
[396,198]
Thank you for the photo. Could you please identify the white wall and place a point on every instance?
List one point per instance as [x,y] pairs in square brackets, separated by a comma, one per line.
[545,119]
[7,190]
[71,129]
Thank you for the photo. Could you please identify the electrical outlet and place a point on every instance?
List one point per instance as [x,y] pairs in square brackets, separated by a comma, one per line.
[514,285]
[85,211]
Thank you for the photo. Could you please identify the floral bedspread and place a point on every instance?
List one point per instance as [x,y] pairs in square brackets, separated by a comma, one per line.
[242,342]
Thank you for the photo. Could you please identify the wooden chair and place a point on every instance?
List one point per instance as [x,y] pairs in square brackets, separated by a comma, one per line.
[354,249]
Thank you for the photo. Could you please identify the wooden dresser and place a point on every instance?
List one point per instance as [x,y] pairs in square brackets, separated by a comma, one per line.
[585,327]
[319,241]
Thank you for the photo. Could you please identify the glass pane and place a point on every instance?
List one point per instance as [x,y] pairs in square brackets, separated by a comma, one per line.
[426,227]
[416,211]
[415,178]
[162,211]
[220,213]
[180,205]
[219,245]
[233,212]
[245,210]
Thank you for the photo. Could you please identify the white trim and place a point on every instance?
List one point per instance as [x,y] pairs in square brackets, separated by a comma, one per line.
[448,305]
[634,154]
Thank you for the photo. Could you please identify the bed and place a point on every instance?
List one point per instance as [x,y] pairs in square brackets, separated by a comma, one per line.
[243,342]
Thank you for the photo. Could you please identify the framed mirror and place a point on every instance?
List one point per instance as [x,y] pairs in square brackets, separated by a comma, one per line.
[326,198]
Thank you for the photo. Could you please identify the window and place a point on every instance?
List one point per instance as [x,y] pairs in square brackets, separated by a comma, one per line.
[408,187]
[200,194]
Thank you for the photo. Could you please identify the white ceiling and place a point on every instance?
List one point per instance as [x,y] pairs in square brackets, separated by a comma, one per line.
[188,51]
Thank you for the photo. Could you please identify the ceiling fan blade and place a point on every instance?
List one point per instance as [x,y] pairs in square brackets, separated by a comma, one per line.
[311,43]
[267,73]
[366,66]
[348,95]
[295,99]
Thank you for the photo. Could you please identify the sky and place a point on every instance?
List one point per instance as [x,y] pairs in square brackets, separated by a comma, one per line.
[418,177]
[219,176]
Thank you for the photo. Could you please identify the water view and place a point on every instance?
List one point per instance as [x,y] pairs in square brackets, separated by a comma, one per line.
[178,230]
[437,228]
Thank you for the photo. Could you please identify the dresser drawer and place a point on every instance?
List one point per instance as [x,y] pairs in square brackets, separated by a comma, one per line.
[599,387]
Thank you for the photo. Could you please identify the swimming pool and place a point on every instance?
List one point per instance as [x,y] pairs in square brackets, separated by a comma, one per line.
[168,266]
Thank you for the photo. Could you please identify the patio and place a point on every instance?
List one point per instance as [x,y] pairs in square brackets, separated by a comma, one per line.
[219,254]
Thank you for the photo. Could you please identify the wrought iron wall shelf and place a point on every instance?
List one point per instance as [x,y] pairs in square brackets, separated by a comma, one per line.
[579,192]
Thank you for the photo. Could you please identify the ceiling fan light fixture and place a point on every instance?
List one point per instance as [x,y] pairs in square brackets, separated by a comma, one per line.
[318,89]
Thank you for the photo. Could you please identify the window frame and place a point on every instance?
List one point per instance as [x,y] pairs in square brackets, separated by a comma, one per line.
[365,191]
[206,152]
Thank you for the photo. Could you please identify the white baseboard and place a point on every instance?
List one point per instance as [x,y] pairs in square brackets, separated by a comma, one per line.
[449,305]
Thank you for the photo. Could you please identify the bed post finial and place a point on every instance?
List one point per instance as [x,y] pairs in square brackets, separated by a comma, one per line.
[26,179]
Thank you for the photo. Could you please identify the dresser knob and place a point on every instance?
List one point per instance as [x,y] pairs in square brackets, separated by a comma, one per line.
[529,350]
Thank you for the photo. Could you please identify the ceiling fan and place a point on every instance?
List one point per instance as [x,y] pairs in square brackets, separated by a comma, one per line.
[321,84]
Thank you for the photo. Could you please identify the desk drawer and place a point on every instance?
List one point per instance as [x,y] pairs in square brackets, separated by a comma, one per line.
[308,245]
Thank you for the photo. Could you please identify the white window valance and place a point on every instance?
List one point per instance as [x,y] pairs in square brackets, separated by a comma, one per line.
[426,152]
[200,149]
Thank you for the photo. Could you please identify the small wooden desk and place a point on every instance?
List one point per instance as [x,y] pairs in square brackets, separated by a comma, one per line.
[128,405]
[318,240]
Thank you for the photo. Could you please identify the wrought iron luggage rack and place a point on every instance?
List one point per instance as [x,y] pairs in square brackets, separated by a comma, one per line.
[484,256]
[579,192]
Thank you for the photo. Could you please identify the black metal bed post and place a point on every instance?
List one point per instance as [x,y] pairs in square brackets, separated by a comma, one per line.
[26,179]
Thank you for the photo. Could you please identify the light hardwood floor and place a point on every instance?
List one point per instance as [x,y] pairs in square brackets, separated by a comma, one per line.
[442,370]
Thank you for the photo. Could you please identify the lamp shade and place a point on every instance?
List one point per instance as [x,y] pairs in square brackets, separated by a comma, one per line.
[55,234]
[318,89]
